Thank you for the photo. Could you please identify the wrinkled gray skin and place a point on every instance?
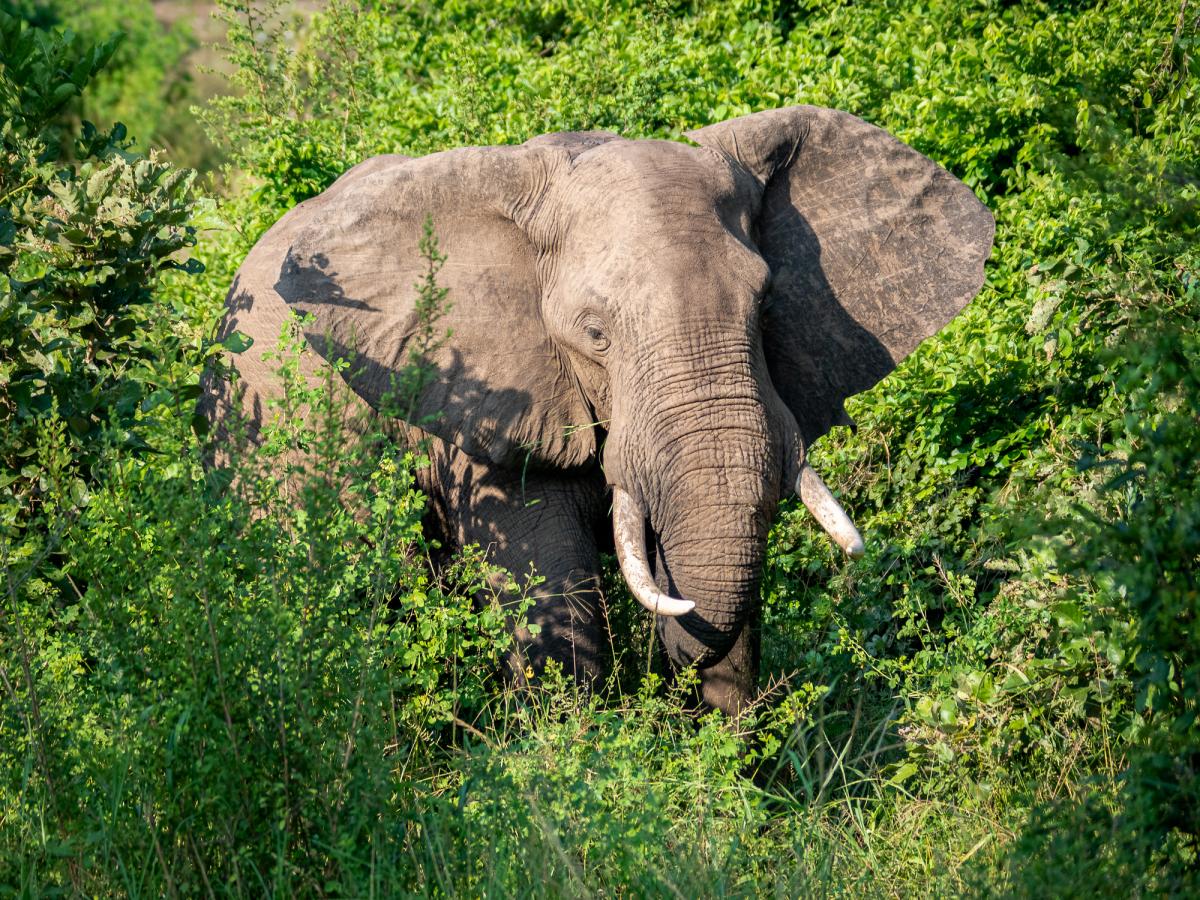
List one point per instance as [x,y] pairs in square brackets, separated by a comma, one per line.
[676,320]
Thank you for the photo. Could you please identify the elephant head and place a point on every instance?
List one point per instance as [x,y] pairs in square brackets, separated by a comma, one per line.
[689,317]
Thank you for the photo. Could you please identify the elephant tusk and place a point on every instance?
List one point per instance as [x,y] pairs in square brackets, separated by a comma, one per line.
[828,512]
[630,536]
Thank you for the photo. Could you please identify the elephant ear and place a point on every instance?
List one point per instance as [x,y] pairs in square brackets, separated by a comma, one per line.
[350,257]
[872,248]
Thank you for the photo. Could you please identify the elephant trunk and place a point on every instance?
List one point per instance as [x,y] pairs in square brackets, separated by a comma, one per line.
[710,508]
[712,555]
[712,594]
[708,487]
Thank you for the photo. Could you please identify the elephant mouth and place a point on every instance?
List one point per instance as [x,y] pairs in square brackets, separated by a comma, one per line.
[630,538]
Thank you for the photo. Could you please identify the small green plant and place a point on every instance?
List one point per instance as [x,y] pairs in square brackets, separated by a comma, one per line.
[431,304]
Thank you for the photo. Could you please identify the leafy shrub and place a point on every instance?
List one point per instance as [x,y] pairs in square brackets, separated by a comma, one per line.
[240,678]
[1137,547]
[147,83]
[81,248]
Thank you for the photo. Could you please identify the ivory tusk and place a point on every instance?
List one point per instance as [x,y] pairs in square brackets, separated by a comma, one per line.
[630,535]
[828,512]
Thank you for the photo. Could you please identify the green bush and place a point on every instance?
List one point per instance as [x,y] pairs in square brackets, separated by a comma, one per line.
[232,681]
[81,249]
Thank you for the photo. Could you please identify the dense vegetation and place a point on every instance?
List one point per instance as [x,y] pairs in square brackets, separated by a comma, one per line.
[207,689]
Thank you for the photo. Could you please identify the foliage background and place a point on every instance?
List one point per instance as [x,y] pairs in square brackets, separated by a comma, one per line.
[1000,699]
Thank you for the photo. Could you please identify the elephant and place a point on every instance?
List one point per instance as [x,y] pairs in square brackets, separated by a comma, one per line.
[645,336]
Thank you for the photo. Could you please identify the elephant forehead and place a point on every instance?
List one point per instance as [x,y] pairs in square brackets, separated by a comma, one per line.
[646,182]
[661,217]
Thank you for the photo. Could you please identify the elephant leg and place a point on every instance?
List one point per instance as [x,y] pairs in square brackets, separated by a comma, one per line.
[546,519]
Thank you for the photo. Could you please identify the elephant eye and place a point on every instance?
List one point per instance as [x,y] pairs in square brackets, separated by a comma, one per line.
[597,337]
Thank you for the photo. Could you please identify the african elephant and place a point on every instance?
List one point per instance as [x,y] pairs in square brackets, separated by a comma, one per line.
[670,323]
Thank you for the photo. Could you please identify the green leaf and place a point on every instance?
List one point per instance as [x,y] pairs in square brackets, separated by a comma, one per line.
[157,398]
[238,342]
[62,93]
[1067,614]
[30,267]
[906,771]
